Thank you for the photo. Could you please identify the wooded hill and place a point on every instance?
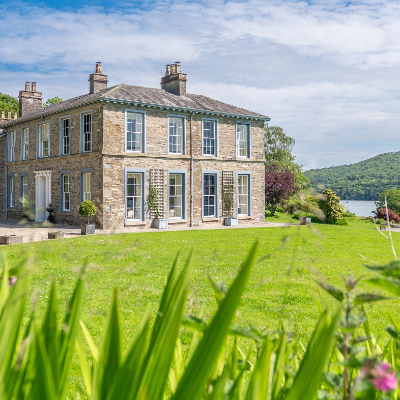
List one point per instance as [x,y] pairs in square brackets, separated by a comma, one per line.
[364,180]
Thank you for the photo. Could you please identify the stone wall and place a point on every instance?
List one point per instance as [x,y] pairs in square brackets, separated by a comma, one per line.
[56,163]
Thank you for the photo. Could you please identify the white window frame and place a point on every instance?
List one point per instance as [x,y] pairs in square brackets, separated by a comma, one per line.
[143,142]
[24,191]
[216,144]
[142,172]
[248,139]
[181,172]
[86,191]
[40,141]
[216,201]
[24,143]
[249,188]
[11,191]
[86,146]
[183,136]
[65,173]
[12,140]
[62,135]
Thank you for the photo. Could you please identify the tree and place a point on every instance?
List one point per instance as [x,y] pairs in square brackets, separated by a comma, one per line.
[279,185]
[392,198]
[278,150]
[8,103]
[53,100]
[330,205]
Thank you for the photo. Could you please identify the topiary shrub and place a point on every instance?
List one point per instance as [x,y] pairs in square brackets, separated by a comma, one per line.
[381,214]
[87,209]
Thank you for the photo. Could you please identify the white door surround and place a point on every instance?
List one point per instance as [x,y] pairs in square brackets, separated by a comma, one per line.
[42,194]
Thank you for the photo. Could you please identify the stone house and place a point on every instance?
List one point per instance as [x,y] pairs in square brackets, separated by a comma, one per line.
[114,145]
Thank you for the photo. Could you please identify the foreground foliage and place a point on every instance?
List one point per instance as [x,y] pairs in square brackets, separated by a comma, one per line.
[35,364]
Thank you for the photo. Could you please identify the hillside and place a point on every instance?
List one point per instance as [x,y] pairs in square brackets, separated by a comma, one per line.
[364,180]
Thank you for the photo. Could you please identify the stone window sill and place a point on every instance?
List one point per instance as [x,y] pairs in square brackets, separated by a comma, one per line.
[135,223]
[177,221]
[212,219]
[244,217]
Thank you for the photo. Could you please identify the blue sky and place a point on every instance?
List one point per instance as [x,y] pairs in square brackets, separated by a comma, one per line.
[326,71]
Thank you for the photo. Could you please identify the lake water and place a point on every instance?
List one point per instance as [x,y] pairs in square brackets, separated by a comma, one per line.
[362,208]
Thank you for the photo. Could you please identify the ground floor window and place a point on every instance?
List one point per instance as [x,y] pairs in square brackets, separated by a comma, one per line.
[11,191]
[134,196]
[243,187]
[87,186]
[176,196]
[66,192]
[210,192]
[24,189]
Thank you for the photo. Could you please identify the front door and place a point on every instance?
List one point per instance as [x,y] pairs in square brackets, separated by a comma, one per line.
[42,194]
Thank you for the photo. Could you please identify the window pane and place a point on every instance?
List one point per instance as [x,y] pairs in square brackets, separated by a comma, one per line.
[175,199]
[134,200]
[134,131]
[209,135]
[87,132]
[242,139]
[87,190]
[243,194]
[209,195]
[175,135]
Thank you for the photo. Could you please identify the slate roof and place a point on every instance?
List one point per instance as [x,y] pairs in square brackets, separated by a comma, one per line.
[143,95]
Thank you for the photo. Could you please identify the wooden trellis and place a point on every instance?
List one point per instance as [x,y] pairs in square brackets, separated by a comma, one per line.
[157,182]
[227,191]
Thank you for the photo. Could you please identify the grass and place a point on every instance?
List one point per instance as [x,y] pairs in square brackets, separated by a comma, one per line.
[281,288]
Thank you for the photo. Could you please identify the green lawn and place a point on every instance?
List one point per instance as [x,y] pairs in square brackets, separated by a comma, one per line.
[281,288]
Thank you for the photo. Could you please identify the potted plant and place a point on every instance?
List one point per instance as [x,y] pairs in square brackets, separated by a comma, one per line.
[227,203]
[152,203]
[50,209]
[87,209]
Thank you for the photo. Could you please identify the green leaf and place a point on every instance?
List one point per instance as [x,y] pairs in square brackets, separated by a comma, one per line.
[202,363]
[308,377]
[393,333]
[367,298]
[93,348]
[388,284]
[86,370]
[332,290]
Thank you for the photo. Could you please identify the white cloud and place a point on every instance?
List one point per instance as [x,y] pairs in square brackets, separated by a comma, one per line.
[327,72]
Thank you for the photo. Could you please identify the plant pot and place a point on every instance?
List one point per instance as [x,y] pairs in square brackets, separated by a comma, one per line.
[305,220]
[231,221]
[160,223]
[88,229]
[11,239]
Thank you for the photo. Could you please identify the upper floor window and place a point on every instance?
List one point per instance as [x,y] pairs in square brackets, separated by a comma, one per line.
[66,135]
[135,131]
[25,144]
[44,140]
[176,128]
[86,132]
[209,137]
[243,140]
[11,146]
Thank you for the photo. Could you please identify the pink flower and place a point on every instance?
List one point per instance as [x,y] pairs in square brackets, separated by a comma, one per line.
[12,281]
[381,376]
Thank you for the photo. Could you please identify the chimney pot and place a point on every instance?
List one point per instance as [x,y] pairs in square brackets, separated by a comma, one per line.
[98,67]
[178,67]
[15,115]
[8,114]
[33,89]
[3,114]
[97,80]
[27,86]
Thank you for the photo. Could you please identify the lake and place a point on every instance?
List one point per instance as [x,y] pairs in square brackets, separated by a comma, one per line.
[362,208]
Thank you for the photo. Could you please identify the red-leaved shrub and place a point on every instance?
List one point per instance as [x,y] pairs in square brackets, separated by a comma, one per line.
[393,217]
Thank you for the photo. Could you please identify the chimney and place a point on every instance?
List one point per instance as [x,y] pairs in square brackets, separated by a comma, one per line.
[97,80]
[29,100]
[4,118]
[174,81]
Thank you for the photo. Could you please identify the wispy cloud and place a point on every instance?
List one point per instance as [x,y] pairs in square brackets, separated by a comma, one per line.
[326,71]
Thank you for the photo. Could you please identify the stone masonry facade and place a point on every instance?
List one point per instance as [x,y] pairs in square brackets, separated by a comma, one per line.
[108,160]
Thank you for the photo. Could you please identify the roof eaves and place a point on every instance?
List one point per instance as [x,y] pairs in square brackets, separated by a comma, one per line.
[177,108]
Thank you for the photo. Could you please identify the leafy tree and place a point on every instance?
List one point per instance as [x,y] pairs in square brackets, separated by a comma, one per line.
[53,100]
[330,205]
[278,150]
[381,214]
[392,198]
[8,103]
[279,185]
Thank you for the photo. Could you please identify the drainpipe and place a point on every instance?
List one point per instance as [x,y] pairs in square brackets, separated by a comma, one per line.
[191,169]
[6,177]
